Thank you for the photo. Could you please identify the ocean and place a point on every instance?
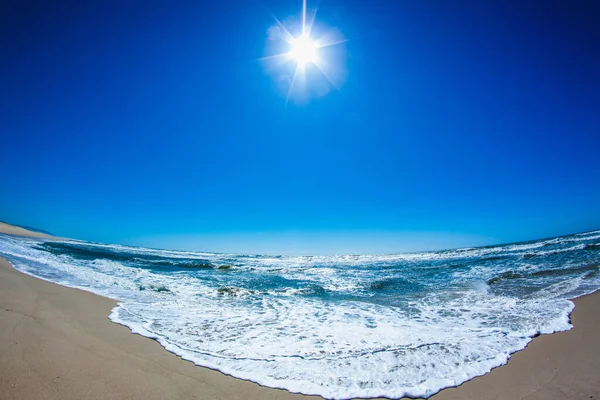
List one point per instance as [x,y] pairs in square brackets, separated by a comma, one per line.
[336,326]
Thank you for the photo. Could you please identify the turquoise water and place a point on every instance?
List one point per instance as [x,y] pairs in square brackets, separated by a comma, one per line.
[340,326]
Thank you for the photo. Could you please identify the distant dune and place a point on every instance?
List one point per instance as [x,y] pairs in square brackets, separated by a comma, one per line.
[24,231]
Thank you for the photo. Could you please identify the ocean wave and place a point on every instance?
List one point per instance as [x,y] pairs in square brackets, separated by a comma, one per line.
[342,326]
[81,251]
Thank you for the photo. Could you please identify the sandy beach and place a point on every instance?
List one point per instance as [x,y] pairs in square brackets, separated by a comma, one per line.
[57,343]
[18,231]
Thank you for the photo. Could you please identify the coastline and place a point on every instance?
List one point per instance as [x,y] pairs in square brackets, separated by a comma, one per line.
[58,343]
[18,231]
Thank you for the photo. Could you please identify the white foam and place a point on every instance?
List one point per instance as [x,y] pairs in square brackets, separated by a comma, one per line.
[456,329]
[352,349]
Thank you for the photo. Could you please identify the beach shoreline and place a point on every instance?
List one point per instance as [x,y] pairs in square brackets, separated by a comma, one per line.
[58,343]
[13,230]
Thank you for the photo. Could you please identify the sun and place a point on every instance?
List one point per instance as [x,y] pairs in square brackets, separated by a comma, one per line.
[308,50]
[303,50]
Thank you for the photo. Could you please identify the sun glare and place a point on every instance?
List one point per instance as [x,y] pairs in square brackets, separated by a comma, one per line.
[305,47]
[303,51]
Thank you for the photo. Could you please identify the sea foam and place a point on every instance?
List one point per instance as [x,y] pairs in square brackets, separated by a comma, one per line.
[342,326]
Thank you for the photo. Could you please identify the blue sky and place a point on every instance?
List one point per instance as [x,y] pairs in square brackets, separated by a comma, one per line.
[154,123]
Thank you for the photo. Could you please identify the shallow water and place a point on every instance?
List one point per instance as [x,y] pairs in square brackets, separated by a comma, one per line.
[341,326]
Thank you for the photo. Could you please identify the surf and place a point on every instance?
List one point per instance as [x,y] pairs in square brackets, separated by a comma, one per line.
[340,326]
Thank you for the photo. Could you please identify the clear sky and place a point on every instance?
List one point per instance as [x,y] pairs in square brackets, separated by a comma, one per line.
[451,123]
